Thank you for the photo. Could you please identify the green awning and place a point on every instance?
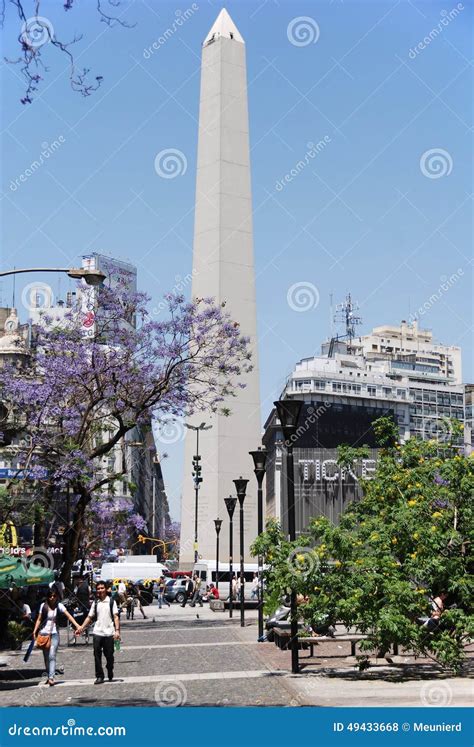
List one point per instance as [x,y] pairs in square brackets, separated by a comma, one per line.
[18,573]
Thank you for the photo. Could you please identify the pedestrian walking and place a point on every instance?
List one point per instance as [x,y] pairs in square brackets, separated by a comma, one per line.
[188,591]
[105,632]
[46,631]
[83,593]
[122,592]
[58,587]
[160,592]
[254,587]
[137,594]
[197,591]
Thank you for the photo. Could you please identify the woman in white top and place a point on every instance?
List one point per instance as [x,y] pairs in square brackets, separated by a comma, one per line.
[46,624]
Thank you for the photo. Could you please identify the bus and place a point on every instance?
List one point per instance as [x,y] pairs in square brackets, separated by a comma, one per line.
[206,570]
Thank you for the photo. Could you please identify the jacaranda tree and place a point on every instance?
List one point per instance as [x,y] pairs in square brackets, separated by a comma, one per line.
[81,395]
[408,539]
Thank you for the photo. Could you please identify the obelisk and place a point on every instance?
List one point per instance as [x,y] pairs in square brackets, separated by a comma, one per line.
[223,268]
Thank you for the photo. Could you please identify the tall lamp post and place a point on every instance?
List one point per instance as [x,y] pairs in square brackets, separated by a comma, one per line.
[197,481]
[259,461]
[288,411]
[92,277]
[230,504]
[217,524]
[241,488]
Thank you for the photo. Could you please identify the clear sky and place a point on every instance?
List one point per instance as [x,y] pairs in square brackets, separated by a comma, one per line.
[382,208]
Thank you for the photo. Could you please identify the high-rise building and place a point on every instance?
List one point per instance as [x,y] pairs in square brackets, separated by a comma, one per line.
[223,268]
[396,371]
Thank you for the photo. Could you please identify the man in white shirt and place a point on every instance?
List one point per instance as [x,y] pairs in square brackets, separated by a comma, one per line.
[106,630]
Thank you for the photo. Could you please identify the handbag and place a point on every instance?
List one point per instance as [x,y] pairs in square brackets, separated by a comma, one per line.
[43,641]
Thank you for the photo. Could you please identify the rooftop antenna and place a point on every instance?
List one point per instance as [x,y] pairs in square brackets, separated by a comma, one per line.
[345,313]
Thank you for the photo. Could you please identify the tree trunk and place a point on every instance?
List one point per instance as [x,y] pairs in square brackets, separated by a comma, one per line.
[73,536]
[39,534]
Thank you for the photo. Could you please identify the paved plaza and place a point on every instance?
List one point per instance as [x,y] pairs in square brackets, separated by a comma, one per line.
[197,657]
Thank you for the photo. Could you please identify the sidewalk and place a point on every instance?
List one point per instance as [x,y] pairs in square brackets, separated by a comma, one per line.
[197,657]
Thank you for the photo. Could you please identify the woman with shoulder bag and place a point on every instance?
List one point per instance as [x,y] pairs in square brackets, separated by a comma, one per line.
[46,631]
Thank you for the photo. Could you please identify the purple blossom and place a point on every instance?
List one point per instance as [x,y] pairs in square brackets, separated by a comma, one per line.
[81,395]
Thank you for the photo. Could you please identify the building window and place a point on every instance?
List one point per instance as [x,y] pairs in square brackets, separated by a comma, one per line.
[372,391]
[387,391]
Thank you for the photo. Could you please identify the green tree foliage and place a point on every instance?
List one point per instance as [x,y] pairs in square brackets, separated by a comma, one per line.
[407,539]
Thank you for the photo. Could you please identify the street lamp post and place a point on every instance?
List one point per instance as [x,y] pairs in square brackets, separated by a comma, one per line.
[197,481]
[217,524]
[230,504]
[241,488]
[259,460]
[288,411]
[92,277]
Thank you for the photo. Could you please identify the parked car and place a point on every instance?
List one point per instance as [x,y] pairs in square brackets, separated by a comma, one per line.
[175,590]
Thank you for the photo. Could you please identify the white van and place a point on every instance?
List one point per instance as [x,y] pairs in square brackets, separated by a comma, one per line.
[206,570]
[148,559]
[131,571]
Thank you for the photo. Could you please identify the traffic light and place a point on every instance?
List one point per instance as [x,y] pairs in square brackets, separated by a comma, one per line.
[197,471]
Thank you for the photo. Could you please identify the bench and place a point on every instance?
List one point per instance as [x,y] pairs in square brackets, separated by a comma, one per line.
[283,641]
[249,604]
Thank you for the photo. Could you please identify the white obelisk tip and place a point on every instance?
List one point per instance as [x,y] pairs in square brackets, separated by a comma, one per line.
[223,26]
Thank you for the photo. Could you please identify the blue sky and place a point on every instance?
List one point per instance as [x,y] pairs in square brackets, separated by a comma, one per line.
[374,212]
